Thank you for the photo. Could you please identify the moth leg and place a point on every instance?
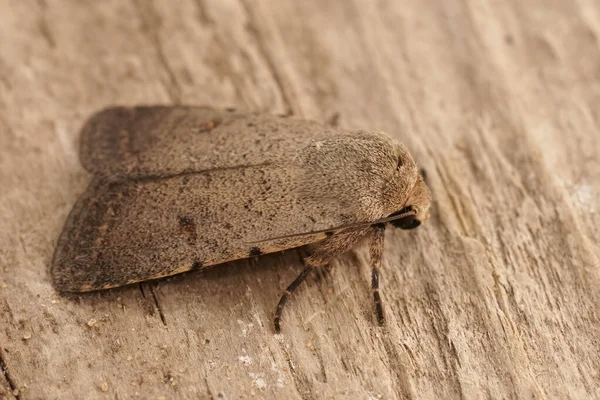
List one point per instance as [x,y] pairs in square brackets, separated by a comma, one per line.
[376,252]
[321,254]
[288,292]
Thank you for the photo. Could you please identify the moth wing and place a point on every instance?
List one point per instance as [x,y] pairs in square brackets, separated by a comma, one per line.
[132,230]
[169,140]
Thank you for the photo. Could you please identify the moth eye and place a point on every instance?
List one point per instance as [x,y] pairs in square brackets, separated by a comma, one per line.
[407,223]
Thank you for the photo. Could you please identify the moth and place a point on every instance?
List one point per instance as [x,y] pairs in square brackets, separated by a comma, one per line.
[178,188]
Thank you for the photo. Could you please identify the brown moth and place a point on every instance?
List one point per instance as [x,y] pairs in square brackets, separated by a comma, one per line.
[183,188]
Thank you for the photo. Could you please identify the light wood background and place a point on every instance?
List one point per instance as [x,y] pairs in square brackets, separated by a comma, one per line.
[497,296]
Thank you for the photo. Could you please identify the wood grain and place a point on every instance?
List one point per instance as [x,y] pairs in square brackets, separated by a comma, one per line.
[495,297]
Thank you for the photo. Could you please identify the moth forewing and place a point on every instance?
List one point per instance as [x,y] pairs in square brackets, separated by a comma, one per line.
[168,140]
[133,230]
[180,188]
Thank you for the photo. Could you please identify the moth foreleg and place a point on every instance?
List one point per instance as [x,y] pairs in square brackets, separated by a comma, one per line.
[376,252]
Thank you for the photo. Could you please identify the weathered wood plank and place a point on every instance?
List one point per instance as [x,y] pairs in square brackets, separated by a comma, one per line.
[495,297]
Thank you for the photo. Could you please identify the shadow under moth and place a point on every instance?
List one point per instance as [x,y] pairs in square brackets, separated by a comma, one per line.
[182,188]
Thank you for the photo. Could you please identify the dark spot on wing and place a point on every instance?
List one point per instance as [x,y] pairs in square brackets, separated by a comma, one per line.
[255,251]
[184,182]
[346,218]
[329,234]
[186,223]
[197,265]
[187,226]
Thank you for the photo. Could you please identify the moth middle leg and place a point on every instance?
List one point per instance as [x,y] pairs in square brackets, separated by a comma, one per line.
[376,253]
[321,254]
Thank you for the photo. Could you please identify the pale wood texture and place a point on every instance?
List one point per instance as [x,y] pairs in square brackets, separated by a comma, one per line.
[496,297]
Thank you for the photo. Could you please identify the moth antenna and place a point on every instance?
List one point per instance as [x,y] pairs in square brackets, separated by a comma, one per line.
[338,228]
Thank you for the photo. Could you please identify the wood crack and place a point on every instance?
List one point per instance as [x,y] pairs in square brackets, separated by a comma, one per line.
[7,376]
[262,49]
[43,25]
[402,386]
[301,383]
[202,15]
[455,203]
[151,23]
[157,304]
[224,62]
[209,391]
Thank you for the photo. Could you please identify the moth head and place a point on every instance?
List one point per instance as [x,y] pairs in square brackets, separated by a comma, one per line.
[417,205]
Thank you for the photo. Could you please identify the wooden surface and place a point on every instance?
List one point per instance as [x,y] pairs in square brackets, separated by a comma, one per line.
[497,296]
